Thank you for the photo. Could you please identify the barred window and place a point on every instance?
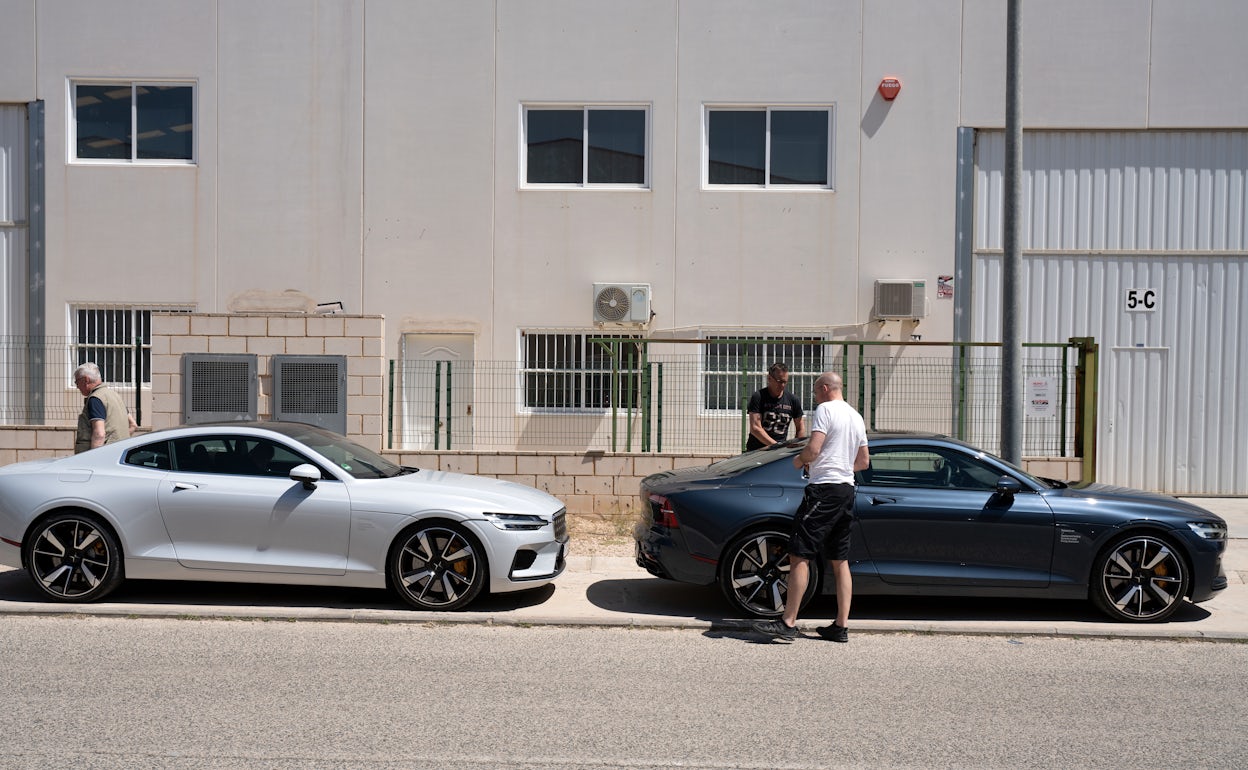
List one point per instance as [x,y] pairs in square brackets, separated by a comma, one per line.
[573,372]
[109,334]
[732,369]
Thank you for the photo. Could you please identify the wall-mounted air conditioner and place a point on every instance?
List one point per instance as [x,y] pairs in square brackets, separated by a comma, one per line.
[900,299]
[622,303]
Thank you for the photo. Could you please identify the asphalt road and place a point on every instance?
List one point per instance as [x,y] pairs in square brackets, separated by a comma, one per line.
[109,692]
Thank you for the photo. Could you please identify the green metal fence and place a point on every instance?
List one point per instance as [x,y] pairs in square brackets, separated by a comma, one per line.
[691,395]
[36,377]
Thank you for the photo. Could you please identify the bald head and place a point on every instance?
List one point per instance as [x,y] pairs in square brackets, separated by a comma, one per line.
[828,387]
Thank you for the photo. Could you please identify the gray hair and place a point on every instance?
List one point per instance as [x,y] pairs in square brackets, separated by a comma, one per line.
[90,371]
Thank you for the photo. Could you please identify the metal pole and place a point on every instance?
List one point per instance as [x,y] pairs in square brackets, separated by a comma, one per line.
[1011,291]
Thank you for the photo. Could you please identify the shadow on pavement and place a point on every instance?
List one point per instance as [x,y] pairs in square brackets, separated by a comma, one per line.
[666,598]
[15,586]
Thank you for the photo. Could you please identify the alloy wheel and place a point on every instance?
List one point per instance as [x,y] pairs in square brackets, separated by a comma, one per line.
[74,559]
[437,568]
[755,574]
[1141,579]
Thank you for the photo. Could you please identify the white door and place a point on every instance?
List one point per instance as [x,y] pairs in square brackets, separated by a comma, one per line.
[1134,448]
[437,391]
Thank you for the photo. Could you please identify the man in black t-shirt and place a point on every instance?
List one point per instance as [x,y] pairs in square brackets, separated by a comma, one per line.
[771,410]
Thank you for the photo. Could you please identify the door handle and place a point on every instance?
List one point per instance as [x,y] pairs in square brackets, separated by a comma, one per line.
[877,500]
[184,485]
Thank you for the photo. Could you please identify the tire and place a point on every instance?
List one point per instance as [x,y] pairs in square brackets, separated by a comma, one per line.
[1139,579]
[437,566]
[754,573]
[72,557]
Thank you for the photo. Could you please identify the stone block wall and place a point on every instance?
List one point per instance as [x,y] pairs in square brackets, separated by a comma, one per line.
[359,338]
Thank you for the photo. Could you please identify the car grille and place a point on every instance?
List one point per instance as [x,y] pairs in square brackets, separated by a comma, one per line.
[561,524]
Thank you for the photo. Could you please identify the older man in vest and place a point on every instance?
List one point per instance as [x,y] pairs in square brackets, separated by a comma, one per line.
[104,418]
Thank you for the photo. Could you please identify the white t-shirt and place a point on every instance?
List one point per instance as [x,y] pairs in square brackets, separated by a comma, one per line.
[844,434]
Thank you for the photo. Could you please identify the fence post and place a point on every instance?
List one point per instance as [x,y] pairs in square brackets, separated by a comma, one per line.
[437,405]
[390,409]
[450,412]
[1086,405]
[137,373]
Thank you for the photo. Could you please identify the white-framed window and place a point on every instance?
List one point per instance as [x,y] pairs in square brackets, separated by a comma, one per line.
[115,337]
[769,147]
[735,366]
[573,371]
[585,146]
[132,121]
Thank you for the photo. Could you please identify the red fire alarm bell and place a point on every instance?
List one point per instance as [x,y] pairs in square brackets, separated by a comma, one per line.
[889,88]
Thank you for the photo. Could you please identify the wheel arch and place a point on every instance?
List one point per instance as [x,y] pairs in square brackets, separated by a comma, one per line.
[1131,529]
[91,513]
[435,519]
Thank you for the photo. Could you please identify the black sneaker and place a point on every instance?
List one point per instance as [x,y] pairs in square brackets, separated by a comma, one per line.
[834,633]
[775,629]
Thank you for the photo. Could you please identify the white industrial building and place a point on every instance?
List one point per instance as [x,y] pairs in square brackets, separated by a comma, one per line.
[479,171]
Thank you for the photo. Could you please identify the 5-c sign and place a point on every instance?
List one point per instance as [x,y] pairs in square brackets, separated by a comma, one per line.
[1142,300]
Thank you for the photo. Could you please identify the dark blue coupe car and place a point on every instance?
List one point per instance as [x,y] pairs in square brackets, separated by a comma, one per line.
[935,516]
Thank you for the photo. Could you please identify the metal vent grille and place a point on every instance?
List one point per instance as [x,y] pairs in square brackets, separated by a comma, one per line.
[311,389]
[218,388]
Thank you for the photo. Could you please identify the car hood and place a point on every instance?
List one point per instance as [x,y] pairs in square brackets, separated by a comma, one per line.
[457,491]
[1137,499]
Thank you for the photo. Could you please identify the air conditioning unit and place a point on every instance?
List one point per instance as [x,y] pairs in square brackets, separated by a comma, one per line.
[900,299]
[622,303]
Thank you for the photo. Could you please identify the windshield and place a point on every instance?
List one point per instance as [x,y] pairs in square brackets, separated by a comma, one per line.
[360,462]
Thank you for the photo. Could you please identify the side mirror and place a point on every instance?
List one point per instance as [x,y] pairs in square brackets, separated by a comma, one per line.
[306,474]
[1008,486]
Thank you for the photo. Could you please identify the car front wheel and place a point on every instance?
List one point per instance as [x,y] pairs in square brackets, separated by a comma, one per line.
[437,566]
[73,558]
[1139,579]
[754,573]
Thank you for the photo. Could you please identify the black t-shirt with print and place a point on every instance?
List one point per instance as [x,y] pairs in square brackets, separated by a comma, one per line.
[774,413]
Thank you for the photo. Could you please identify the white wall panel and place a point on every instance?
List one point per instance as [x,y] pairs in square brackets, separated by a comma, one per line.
[1110,212]
[1120,190]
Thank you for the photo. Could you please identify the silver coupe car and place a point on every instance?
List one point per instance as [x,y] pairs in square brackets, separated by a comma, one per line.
[272,503]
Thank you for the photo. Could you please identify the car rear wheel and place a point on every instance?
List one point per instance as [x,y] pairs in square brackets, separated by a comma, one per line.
[73,558]
[754,573]
[1139,579]
[437,566]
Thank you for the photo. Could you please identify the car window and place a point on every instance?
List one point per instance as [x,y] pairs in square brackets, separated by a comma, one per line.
[150,456]
[235,455]
[927,468]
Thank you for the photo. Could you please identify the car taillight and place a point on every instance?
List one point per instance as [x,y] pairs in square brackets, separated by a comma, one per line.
[664,516]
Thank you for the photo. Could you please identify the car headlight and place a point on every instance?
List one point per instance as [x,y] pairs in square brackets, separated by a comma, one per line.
[1208,530]
[516,521]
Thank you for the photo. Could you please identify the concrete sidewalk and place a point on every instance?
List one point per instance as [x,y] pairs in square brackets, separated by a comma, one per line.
[614,592]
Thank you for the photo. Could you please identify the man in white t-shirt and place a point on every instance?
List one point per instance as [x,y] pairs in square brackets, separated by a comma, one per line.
[837,448]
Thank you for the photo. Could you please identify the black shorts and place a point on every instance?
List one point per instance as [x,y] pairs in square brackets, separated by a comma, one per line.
[821,525]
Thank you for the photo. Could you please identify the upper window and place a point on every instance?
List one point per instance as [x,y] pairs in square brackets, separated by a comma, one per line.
[733,369]
[574,371]
[769,147]
[585,146]
[133,122]
[110,336]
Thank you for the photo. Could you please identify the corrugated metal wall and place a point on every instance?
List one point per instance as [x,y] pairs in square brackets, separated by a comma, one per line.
[1109,213]
[13,232]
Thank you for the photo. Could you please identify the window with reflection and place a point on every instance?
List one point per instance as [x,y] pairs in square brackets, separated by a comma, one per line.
[585,146]
[921,467]
[131,122]
[769,147]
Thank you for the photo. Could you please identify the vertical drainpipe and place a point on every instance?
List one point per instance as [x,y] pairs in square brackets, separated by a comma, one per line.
[36,260]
